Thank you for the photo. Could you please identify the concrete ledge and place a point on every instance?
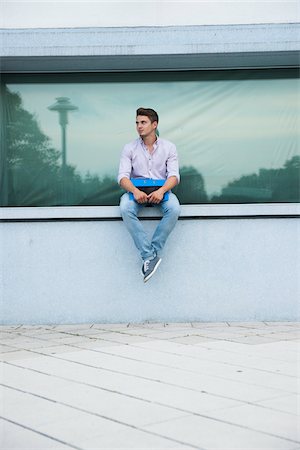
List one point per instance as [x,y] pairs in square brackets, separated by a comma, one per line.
[149,48]
[150,40]
[113,212]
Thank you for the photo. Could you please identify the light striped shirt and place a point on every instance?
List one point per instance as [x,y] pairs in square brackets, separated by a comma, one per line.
[137,162]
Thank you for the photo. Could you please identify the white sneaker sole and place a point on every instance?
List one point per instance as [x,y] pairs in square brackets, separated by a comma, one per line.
[153,271]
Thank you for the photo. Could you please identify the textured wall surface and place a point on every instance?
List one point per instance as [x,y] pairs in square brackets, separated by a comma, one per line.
[87,13]
[149,40]
[212,270]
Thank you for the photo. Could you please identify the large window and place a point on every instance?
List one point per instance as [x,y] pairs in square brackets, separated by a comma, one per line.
[237,135]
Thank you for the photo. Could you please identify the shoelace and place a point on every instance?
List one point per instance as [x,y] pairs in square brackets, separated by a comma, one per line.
[146,265]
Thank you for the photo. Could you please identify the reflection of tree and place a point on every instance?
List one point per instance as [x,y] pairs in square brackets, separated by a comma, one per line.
[269,185]
[191,188]
[31,161]
[105,191]
[31,173]
[35,176]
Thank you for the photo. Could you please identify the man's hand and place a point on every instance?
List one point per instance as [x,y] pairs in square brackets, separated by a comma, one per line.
[140,196]
[156,196]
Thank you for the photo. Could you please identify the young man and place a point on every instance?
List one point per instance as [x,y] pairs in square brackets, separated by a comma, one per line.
[149,157]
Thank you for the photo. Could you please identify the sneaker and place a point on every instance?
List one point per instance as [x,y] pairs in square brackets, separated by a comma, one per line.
[149,267]
[143,269]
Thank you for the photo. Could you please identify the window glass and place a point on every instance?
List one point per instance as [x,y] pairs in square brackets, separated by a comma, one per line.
[236,132]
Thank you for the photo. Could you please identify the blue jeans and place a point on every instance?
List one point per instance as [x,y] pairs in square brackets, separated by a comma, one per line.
[129,211]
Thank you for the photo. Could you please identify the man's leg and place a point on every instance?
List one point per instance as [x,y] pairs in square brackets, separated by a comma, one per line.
[129,211]
[171,211]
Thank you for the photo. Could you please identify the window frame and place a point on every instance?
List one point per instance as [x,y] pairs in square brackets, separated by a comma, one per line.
[263,46]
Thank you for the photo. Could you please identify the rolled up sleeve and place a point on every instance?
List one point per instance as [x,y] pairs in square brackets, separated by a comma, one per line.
[125,164]
[173,164]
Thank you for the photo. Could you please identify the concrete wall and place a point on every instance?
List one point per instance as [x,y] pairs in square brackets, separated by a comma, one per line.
[89,271]
[85,270]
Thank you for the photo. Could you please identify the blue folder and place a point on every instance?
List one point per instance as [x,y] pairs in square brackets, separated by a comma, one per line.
[148,183]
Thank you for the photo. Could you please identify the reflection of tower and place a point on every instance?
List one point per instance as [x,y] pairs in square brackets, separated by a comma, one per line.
[62,106]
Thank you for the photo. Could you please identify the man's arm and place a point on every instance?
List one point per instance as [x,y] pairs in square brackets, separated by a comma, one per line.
[139,196]
[157,196]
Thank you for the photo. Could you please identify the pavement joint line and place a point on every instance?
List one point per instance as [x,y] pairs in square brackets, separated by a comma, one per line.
[169,367]
[73,333]
[172,353]
[214,338]
[138,376]
[205,346]
[15,349]
[201,333]
[159,364]
[212,360]
[26,427]
[243,402]
[153,433]
[204,416]
[179,368]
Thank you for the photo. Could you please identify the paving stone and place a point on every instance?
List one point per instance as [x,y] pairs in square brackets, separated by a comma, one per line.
[213,386]
[211,434]
[13,436]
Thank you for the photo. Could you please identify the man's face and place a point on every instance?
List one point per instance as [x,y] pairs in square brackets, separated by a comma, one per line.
[144,126]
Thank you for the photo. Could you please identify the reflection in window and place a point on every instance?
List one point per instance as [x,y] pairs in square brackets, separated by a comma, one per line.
[237,135]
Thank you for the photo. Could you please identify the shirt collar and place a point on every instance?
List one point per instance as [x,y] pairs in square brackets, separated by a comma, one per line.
[156,143]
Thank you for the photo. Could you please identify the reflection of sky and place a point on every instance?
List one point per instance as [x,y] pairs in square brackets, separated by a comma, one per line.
[224,129]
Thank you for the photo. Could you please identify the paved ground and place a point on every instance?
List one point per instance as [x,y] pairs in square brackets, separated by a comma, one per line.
[201,386]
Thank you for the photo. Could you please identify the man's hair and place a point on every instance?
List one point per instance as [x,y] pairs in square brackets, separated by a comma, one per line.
[150,113]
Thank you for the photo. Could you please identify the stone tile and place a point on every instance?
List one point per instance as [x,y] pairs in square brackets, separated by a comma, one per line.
[32,332]
[216,435]
[55,349]
[131,439]
[286,403]
[109,404]
[72,327]
[111,326]
[269,351]
[9,338]
[33,411]
[81,427]
[96,344]
[248,359]
[17,355]
[144,331]
[218,372]
[210,324]
[71,340]
[90,331]
[183,363]
[16,437]
[174,333]
[246,325]
[7,328]
[192,384]
[7,348]
[120,338]
[29,381]
[285,336]
[248,340]
[33,344]
[147,381]
[191,340]
[278,423]
[278,324]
